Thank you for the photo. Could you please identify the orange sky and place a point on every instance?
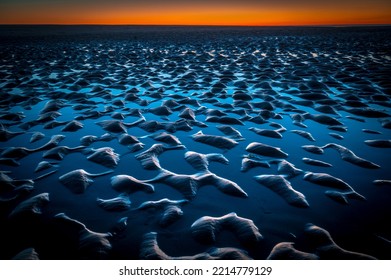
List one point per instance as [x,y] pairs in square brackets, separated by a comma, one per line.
[196,12]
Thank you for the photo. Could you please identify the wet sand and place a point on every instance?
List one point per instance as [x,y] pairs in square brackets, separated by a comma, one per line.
[115,141]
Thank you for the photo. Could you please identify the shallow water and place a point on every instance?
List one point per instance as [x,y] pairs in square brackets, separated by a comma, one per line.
[39,64]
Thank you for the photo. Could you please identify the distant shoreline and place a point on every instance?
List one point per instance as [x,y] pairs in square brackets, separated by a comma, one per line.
[172,33]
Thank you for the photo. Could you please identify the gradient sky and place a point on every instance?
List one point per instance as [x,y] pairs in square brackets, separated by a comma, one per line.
[196,12]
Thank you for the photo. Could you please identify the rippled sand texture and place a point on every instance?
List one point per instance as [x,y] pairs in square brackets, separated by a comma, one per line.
[195,143]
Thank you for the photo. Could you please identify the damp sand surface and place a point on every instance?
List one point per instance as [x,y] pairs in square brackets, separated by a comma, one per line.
[116,141]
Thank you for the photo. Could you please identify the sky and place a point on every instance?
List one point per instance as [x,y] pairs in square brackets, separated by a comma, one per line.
[196,12]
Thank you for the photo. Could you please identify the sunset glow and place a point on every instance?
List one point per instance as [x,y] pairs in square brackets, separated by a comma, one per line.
[195,12]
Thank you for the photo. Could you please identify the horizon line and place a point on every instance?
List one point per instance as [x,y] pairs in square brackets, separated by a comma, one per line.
[199,25]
